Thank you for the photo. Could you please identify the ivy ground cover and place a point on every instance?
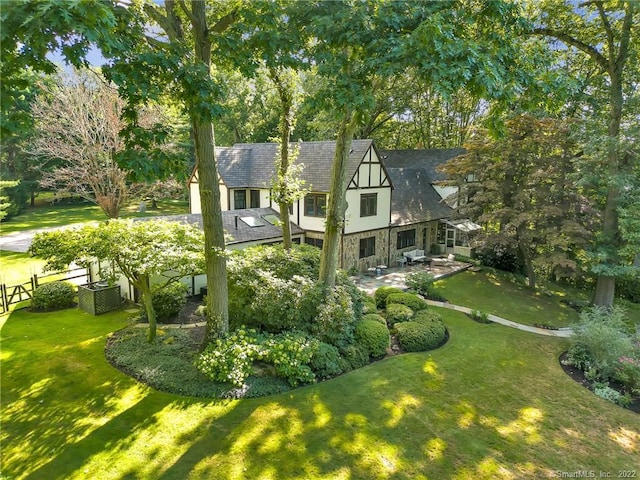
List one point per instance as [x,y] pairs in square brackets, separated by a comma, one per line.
[492,403]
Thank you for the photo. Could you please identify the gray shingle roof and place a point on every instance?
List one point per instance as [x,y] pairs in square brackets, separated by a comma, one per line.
[252,165]
[244,233]
[427,159]
[413,173]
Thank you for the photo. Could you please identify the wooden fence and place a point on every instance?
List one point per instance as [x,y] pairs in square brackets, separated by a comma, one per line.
[21,293]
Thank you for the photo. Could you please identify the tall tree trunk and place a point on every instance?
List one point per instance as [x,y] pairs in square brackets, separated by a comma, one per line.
[337,204]
[606,284]
[526,257]
[147,300]
[286,100]
[214,244]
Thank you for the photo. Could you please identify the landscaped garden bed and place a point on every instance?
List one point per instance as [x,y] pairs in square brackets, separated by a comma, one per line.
[285,331]
[604,356]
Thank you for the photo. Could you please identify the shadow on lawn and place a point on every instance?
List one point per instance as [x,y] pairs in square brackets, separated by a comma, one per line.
[454,412]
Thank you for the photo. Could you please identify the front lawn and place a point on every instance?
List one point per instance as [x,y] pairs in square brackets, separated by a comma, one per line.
[492,403]
[61,215]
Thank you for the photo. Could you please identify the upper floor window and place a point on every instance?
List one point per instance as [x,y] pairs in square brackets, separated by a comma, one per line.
[406,238]
[254,198]
[239,199]
[368,204]
[315,205]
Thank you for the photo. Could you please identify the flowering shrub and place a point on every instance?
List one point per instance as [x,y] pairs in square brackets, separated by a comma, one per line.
[230,360]
[335,321]
[628,372]
[421,282]
[290,354]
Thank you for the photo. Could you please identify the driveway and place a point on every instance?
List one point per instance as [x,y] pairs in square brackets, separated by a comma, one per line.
[20,241]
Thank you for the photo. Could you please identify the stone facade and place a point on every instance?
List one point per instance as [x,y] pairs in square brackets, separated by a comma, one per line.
[350,253]
[422,241]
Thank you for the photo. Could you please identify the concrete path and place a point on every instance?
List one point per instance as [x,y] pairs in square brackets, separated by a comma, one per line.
[562,333]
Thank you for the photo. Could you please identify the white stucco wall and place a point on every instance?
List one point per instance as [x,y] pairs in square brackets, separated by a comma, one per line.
[194,198]
[355,223]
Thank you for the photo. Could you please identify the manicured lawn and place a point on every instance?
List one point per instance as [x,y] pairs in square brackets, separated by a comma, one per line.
[497,295]
[60,215]
[18,267]
[492,403]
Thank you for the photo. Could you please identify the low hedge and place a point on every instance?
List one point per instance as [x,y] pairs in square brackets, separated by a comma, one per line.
[382,293]
[397,313]
[412,301]
[420,337]
[373,337]
[53,296]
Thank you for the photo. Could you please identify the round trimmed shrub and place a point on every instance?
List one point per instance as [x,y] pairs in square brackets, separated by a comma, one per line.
[420,337]
[375,317]
[167,302]
[412,301]
[53,295]
[353,356]
[398,313]
[373,336]
[325,361]
[382,293]
[427,316]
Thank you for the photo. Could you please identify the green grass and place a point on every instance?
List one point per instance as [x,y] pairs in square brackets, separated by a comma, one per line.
[492,403]
[18,267]
[498,295]
[60,215]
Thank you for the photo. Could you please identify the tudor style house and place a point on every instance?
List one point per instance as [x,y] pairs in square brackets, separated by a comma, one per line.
[394,203]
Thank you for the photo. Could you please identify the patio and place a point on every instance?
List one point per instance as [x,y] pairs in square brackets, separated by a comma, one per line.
[394,276]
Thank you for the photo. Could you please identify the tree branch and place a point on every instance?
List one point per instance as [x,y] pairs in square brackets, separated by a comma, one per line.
[608,31]
[626,34]
[569,40]
[225,22]
[192,18]
[161,20]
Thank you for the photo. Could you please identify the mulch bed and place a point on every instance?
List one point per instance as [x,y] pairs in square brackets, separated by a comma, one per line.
[578,375]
